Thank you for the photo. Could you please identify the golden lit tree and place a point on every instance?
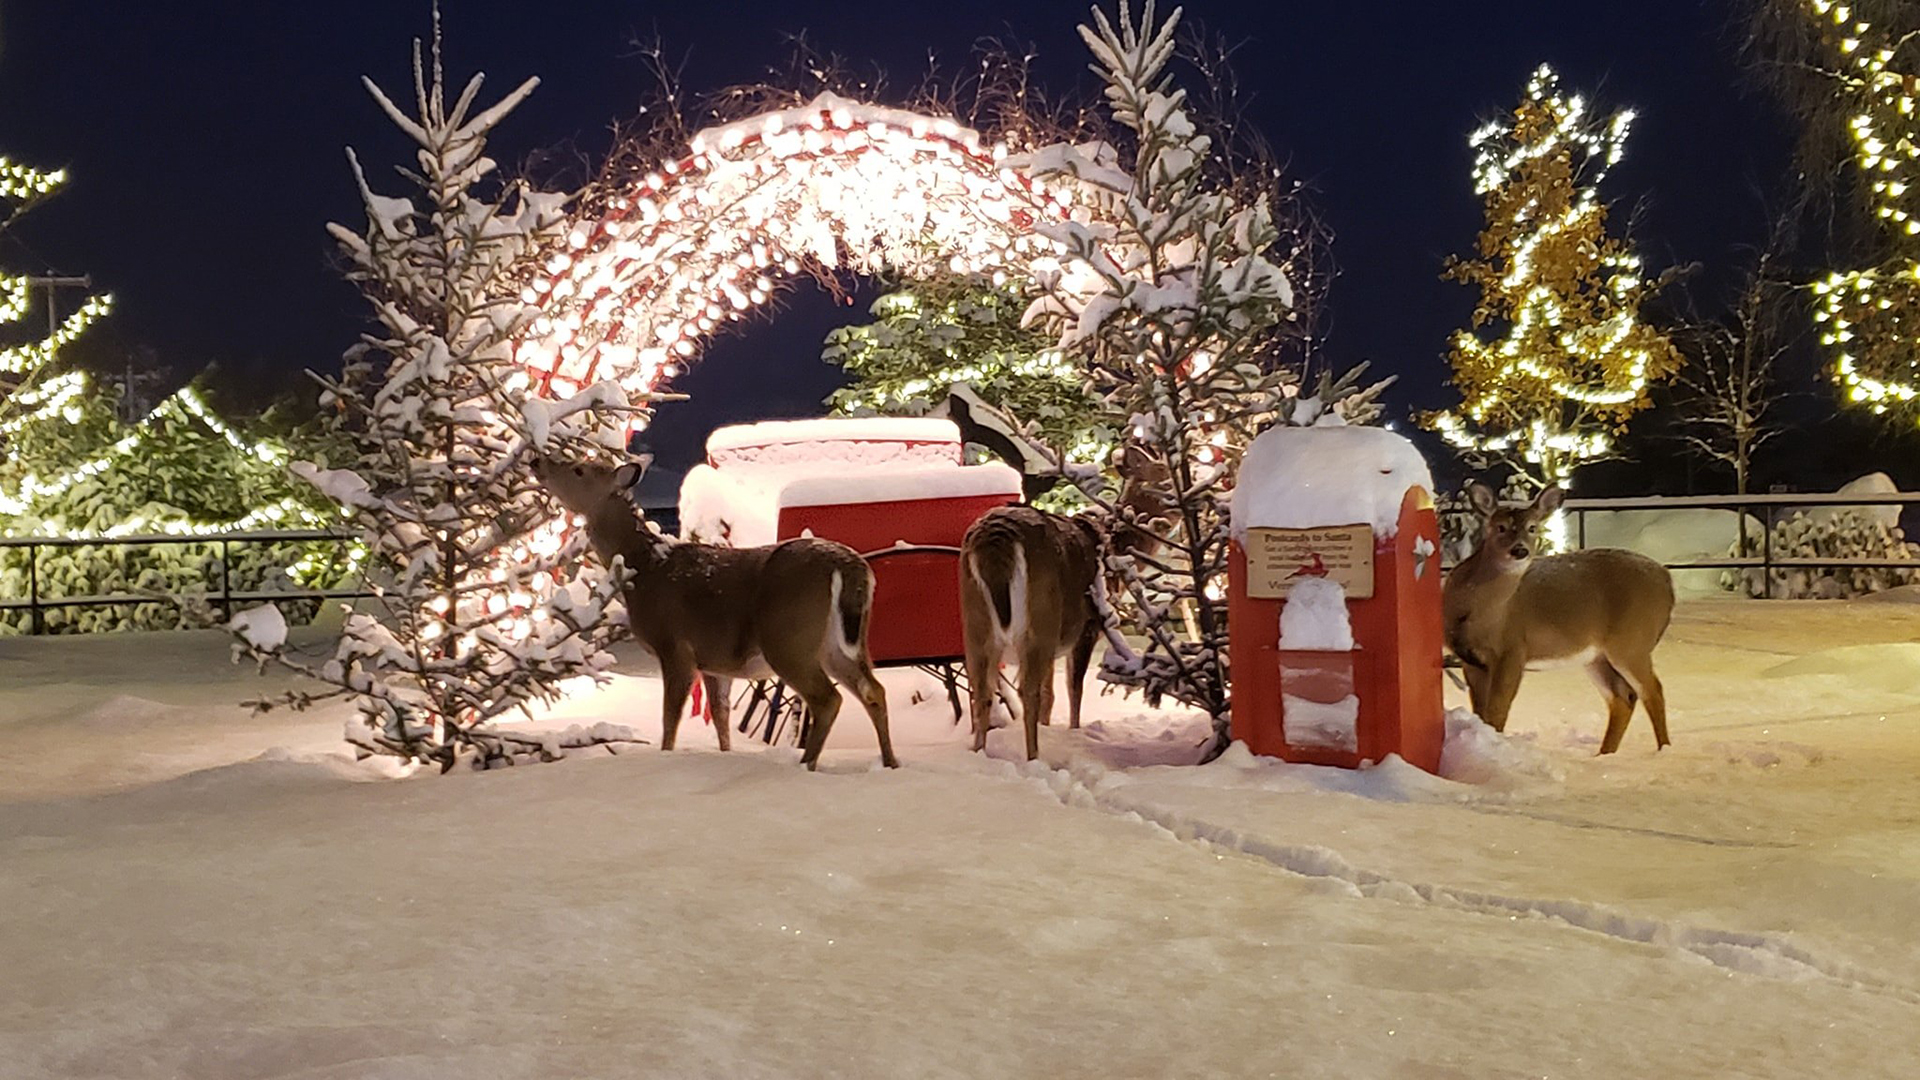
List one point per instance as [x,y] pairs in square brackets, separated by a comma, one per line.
[34,385]
[1558,356]
[1869,316]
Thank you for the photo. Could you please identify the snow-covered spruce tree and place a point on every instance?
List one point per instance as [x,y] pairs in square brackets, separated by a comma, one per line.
[1167,291]
[1569,356]
[462,544]
[930,336]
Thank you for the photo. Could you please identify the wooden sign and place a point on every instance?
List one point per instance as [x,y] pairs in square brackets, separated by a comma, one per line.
[1277,558]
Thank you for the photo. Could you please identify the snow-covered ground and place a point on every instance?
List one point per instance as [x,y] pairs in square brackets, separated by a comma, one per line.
[186,890]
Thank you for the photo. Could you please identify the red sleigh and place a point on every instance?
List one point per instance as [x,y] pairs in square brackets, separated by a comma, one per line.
[897,490]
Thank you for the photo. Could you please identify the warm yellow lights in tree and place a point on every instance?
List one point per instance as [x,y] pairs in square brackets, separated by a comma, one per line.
[1867,317]
[1558,357]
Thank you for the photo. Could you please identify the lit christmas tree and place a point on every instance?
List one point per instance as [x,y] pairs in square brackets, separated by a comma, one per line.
[479,615]
[34,387]
[1868,316]
[1568,358]
[933,335]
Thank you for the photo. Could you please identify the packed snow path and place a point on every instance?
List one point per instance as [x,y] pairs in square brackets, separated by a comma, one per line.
[185,890]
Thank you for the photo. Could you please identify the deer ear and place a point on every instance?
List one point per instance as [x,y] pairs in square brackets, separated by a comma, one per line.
[1549,500]
[629,474]
[1482,498]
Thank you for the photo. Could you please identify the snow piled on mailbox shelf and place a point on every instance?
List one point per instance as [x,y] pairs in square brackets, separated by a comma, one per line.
[1315,617]
[1318,707]
[1310,477]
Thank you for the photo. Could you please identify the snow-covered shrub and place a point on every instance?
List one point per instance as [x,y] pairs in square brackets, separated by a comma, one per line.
[181,470]
[1828,534]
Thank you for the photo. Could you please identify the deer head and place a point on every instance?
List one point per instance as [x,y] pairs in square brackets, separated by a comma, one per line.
[585,487]
[1511,536]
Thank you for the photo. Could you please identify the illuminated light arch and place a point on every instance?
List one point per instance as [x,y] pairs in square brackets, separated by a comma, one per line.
[839,184]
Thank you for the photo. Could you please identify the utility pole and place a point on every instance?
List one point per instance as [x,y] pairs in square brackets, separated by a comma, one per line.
[53,284]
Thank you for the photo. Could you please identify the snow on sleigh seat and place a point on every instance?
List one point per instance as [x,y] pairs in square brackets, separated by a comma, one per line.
[896,490]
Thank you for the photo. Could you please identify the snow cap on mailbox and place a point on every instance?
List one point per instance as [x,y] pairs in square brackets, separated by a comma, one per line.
[1313,477]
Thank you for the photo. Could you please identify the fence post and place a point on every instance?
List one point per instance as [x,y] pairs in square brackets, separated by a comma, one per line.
[1766,549]
[33,589]
[1582,518]
[226,581]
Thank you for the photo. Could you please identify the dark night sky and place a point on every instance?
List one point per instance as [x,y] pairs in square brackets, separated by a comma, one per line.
[205,138]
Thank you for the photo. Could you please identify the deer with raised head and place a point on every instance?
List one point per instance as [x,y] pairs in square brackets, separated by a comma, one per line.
[1508,609]
[1027,583]
[797,609]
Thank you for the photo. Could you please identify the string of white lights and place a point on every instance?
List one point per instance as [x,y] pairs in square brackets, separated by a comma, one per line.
[1563,342]
[1866,314]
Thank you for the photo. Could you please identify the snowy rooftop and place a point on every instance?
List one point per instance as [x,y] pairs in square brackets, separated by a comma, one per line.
[743,504]
[832,429]
[1309,477]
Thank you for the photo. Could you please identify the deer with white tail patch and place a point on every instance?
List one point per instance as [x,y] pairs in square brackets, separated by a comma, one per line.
[798,610]
[1508,610]
[1026,596]
[1028,580]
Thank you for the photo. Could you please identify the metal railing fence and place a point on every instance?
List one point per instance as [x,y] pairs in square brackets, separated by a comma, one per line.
[221,592]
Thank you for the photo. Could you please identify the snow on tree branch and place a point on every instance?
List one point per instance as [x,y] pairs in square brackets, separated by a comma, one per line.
[479,613]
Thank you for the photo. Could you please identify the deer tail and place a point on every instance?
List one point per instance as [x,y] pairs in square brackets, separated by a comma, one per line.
[1000,572]
[852,609]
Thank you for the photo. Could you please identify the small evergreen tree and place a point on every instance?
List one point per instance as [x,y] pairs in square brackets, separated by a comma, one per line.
[1570,356]
[1176,308]
[463,545]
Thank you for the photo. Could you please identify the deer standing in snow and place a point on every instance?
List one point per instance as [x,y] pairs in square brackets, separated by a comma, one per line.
[1027,582]
[1506,610]
[797,609]
[1026,596]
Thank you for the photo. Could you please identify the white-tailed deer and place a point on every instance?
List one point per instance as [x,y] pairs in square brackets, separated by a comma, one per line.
[798,609]
[1506,610]
[1026,582]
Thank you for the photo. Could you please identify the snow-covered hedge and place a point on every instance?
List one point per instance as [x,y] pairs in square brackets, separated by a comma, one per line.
[1829,534]
[178,576]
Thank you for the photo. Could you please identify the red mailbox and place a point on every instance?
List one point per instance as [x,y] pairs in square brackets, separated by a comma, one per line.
[1351,506]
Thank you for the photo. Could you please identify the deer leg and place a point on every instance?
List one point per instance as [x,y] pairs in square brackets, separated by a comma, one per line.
[718,687]
[1077,672]
[952,683]
[1620,698]
[1036,680]
[1639,672]
[676,677]
[982,674]
[858,677]
[823,705]
[1476,688]
[1503,682]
